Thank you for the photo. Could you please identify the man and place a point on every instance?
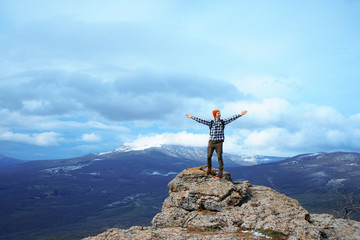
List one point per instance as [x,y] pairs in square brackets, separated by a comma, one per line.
[217,137]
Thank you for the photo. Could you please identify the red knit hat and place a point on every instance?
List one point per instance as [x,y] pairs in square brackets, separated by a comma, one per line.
[215,111]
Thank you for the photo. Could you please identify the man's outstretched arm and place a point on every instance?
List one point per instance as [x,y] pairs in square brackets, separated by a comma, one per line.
[206,122]
[229,120]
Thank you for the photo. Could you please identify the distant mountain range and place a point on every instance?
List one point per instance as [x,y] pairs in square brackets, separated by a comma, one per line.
[317,180]
[191,153]
[199,154]
[73,198]
[6,161]
[314,170]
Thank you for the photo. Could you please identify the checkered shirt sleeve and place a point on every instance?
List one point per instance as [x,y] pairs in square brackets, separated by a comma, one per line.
[230,119]
[206,122]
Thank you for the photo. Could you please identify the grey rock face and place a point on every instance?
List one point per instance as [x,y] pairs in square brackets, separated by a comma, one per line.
[199,202]
[193,190]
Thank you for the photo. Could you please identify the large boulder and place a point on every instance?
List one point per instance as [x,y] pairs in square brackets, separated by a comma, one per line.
[207,207]
[198,201]
[193,190]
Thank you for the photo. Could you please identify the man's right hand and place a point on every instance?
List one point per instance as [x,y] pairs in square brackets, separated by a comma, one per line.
[189,115]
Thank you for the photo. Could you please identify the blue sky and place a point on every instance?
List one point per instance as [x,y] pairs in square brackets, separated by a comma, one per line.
[79,77]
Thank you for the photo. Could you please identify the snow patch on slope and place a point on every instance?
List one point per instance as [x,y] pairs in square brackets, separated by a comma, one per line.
[62,170]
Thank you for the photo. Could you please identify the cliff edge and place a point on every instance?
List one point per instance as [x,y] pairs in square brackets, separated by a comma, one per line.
[206,207]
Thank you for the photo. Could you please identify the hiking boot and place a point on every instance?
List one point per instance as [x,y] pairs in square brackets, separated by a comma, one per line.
[220,174]
[208,171]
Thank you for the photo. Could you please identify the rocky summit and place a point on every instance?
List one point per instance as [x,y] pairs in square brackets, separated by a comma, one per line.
[203,206]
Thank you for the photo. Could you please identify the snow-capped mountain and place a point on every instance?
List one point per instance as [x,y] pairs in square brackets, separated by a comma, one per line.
[250,160]
[196,153]
[128,147]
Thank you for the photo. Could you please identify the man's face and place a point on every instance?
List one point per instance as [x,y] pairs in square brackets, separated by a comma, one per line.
[218,115]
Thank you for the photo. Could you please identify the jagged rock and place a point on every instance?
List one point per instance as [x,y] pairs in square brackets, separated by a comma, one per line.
[193,190]
[198,203]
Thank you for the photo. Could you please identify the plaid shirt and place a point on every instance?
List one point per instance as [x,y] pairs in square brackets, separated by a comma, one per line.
[217,130]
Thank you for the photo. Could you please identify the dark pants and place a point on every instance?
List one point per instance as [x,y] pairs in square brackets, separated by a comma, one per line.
[218,147]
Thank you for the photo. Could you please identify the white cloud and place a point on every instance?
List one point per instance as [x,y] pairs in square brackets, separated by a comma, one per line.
[275,127]
[32,105]
[274,141]
[19,120]
[270,111]
[39,139]
[268,86]
[181,138]
[280,113]
[90,137]
[133,95]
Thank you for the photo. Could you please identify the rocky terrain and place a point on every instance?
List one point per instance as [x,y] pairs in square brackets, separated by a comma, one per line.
[206,207]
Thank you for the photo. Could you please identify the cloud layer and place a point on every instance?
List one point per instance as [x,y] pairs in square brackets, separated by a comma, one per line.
[275,127]
[79,77]
[39,139]
[136,95]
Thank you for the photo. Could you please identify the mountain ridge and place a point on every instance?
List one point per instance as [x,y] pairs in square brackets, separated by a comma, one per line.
[196,153]
[179,151]
[8,161]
